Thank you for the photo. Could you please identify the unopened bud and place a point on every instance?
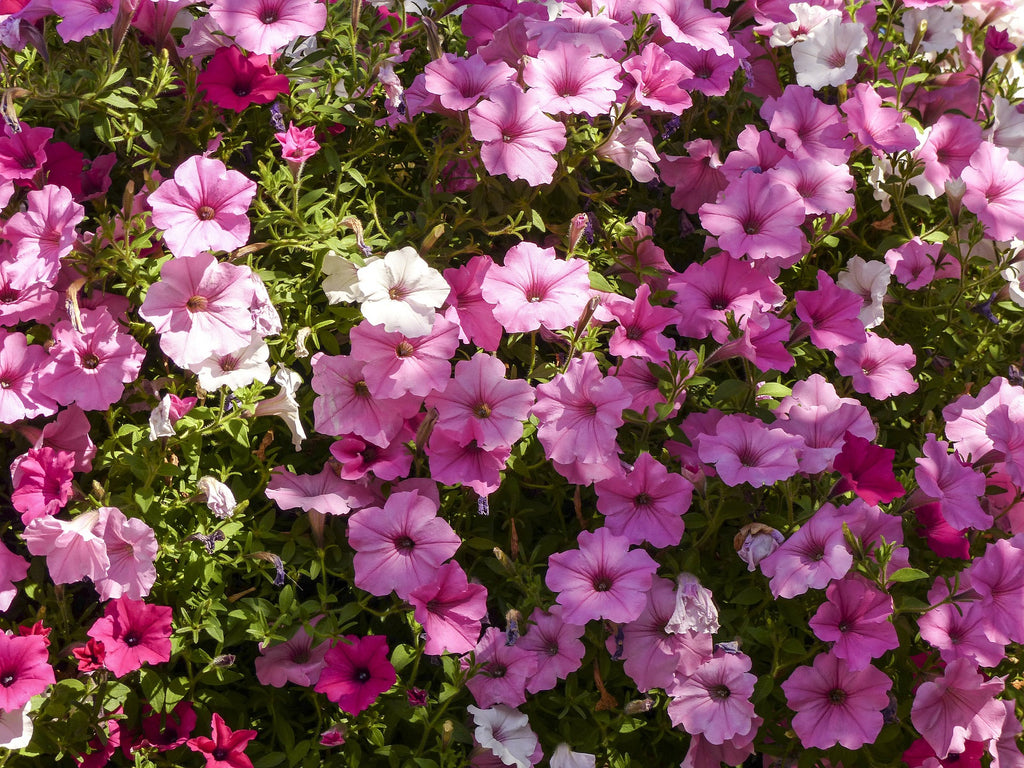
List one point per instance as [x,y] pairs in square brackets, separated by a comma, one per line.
[955,191]
[577,227]
[639,706]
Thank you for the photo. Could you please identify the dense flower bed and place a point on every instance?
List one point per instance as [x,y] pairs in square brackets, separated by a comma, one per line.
[512,383]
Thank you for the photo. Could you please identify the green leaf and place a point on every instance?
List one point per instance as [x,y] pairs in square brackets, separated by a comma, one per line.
[908,574]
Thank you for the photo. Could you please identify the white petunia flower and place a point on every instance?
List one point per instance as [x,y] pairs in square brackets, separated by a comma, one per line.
[808,18]
[401,292]
[16,728]
[505,732]
[566,758]
[828,56]
[285,405]
[944,30]
[236,370]
[695,608]
[1007,129]
[342,276]
[219,497]
[870,281]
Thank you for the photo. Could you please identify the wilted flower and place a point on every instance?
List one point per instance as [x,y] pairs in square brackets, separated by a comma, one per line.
[695,610]
[755,541]
[219,497]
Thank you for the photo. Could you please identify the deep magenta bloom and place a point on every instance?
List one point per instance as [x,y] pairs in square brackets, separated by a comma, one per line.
[356,671]
[401,546]
[603,579]
[234,81]
[866,470]
[227,747]
[169,730]
[715,699]
[23,153]
[856,619]
[835,705]
[519,140]
[133,633]
[265,26]
[24,670]
[203,208]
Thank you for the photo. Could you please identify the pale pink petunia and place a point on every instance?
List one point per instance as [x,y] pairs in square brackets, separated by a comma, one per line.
[714,700]
[533,288]
[875,126]
[995,191]
[631,146]
[757,217]
[268,25]
[946,478]
[519,140]
[461,83]
[824,187]
[959,705]
[295,661]
[603,579]
[998,577]
[836,705]
[20,364]
[913,264]
[203,207]
[879,367]
[504,736]
[686,22]
[346,406]
[397,365]
[131,549]
[654,78]
[450,609]
[809,128]
[90,365]
[400,546]
[43,234]
[557,646]
[855,619]
[73,550]
[645,504]
[967,417]
[945,152]
[200,307]
[745,450]
[324,492]
[481,404]
[467,306]
[810,558]
[564,82]
[579,413]
[12,568]
[959,631]
[453,462]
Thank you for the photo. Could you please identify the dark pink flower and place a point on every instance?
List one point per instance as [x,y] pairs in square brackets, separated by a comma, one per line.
[23,152]
[168,730]
[134,633]
[42,482]
[467,306]
[297,144]
[235,81]
[356,671]
[24,670]
[866,469]
[603,579]
[654,78]
[640,329]
[880,128]
[831,314]
[745,450]
[946,478]
[227,747]
[295,661]
[835,705]
[90,656]
[943,539]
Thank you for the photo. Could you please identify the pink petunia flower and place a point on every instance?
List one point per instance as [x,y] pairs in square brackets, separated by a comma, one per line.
[233,80]
[467,306]
[855,618]
[131,549]
[450,610]
[268,25]
[22,152]
[73,550]
[168,730]
[13,568]
[401,546]
[295,661]
[356,672]
[830,314]
[880,128]
[655,78]
[519,140]
[203,208]
[645,504]
[461,83]
[134,633]
[564,82]
[82,18]
[227,747]
[959,632]
[91,364]
[533,288]
[995,191]
[879,367]
[24,670]
[998,577]
[603,579]
[504,669]
[324,492]
[297,144]
[836,705]
[696,177]
[43,234]
[200,307]
[397,365]
[959,705]
[867,470]
[714,700]
[946,478]
[557,646]
[967,417]
[42,482]
[913,263]
[745,450]
[20,363]
[812,557]
[641,327]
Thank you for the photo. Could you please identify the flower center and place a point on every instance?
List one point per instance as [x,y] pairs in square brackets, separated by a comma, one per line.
[7,679]
[131,639]
[197,304]
[268,16]
[642,499]
[362,675]
[481,410]
[497,671]
[361,389]
[602,584]
[90,362]
[219,753]
[720,692]
[206,212]
[404,349]
[837,696]
[242,90]
[8,295]
[405,544]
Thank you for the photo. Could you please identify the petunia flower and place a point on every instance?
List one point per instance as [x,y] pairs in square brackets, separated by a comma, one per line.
[506,733]
[295,661]
[397,365]
[564,82]
[324,492]
[867,470]
[233,80]
[504,669]
[995,191]
[131,549]
[134,633]
[855,619]
[24,670]
[401,292]
[812,557]
[73,549]
[646,503]
[269,25]
[879,367]
[745,450]
[356,672]
[227,747]
[828,55]
[450,609]
[43,234]
[714,700]
[557,646]
[168,730]
[42,482]
[203,207]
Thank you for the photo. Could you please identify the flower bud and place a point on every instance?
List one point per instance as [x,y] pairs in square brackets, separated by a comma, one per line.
[755,542]
[955,190]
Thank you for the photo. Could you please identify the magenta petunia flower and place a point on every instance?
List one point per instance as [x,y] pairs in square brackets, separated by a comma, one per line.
[168,730]
[812,557]
[519,140]
[959,705]
[295,661]
[867,470]
[82,18]
[504,669]
[757,217]
[450,610]
[565,82]
[42,482]
[397,365]
[227,747]
[830,314]
[22,152]
[945,152]
[998,577]
[533,288]
[401,546]
[268,25]
[879,367]
[91,364]
[20,363]
[714,700]
[233,80]
[855,618]
[880,128]
[946,478]
[913,263]
[808,127]
[824,187]
[203,208]
[835,705]
[324,492]
[200,307]
[360,458]
[959,632]
[645,504]
[942,538]
[469,464]
[479,403]
[24,670]
[356,671]
[461,83]
[696,177]
[297,144]
[557,646]
[467,306]
[134,633]
[603,579]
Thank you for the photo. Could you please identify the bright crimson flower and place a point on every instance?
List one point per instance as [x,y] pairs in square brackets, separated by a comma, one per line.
[134,633]
[227,747]
[168,730]
[235,81]
[203,208]
[266,26]
[519,140]
[356,671]
[90,656]
[24,670]
[603,579]
[835,705]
